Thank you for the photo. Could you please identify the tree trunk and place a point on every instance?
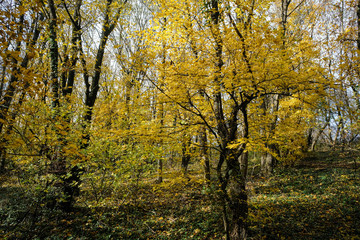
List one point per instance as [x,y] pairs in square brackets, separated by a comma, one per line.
[185,158]
[160,170]
[267,163]
[238,206]
[160,159]
[244,159]
[185,152]
[2,159]
[234,198]
[204,154]
[92,89]
[233,183]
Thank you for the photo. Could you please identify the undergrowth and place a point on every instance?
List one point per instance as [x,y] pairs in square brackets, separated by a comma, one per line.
[317,199]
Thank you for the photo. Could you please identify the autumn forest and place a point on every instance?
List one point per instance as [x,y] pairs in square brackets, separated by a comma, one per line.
[179,119]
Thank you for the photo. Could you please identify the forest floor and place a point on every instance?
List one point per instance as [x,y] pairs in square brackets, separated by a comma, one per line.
[318,198]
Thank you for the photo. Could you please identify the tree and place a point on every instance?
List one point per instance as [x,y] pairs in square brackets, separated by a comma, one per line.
[230,53]
[62,84]
[20,37]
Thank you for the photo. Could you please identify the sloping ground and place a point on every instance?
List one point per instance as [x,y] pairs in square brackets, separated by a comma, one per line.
[317,199]
[349,159]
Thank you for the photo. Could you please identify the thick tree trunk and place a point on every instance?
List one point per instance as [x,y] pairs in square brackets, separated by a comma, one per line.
[238,206]
[186,156]
[267,163]
[310,138]
[234,198]
[244,159]
[233,183]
